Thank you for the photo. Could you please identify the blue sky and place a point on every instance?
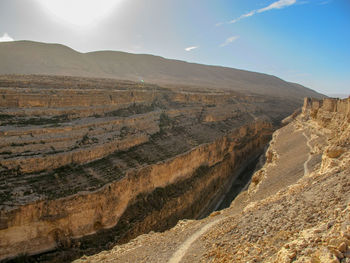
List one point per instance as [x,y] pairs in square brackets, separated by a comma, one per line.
[304,41]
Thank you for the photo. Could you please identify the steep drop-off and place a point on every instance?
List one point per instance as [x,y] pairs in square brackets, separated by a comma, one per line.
[89,163]
[296,209]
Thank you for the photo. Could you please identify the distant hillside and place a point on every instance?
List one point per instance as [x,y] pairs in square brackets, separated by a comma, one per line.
[27,57]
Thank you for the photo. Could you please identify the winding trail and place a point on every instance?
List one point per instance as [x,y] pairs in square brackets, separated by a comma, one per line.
[181,251]
[306,169]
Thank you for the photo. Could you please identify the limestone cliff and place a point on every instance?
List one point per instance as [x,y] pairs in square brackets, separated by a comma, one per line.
[89,163]
[296,208]
[43,225]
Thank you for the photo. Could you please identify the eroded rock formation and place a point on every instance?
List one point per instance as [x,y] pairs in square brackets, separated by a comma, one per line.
[296,209]
[86,158]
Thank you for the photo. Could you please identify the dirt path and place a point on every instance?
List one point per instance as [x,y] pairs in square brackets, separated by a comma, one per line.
[190,243]
[184,247]
[181,251]
[306,169]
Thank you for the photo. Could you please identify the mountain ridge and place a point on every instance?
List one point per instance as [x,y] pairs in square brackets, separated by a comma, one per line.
[29,57]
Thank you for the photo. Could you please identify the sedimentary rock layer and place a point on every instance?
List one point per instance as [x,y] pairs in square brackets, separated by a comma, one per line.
[296,208]
[79,156]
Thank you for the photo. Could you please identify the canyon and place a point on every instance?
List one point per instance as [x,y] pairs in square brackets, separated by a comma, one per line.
[89,163]
[295,209]
[99,170]
[110,156]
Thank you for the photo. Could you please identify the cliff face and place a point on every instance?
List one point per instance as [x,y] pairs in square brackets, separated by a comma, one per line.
[324,111]
[43,225]
[296,208]
[88,162]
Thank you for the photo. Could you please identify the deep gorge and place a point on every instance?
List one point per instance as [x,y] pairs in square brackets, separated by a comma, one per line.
[161,208]
[114,172]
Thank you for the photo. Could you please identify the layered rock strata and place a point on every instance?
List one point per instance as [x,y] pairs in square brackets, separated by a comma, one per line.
[79,156]
[296,209]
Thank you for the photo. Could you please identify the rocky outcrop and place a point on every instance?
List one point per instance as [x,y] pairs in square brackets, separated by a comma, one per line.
[324,110]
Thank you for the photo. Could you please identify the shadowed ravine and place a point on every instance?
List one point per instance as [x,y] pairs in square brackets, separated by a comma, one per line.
[239,184]
[239,180]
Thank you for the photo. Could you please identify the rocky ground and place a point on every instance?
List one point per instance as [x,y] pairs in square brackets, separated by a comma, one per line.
[296,209]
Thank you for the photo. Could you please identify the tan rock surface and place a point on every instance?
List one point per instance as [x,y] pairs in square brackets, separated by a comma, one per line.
[297,209]
[89,163]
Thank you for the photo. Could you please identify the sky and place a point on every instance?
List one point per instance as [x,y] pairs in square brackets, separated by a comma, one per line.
[302,41]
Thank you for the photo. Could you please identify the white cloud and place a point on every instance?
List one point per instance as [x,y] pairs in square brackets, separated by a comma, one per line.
[229,40]
[191,48]
[251,13]
[275,5]
[6,38]
[278,5]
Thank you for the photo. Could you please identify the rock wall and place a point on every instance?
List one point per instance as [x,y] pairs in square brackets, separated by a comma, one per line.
[43,225]
[49,150]
[296,208]
[324,110]
[82,157]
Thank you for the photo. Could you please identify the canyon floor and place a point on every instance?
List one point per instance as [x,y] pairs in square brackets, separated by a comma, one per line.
[296,208]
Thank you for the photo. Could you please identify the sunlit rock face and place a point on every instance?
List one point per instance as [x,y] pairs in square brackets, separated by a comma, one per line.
[79,156]
[296,208]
